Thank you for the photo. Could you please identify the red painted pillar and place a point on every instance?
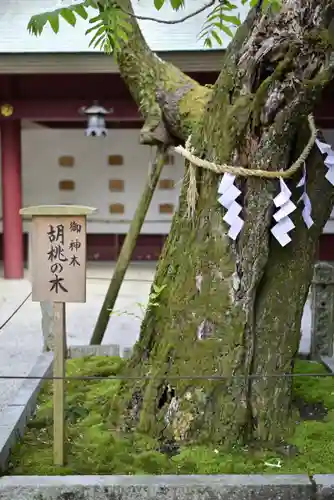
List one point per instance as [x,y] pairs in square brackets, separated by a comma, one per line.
[11,199]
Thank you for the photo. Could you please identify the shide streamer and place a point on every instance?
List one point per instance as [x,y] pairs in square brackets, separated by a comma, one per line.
[229,192]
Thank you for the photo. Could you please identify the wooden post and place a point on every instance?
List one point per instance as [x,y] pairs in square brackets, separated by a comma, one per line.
[59,383]
[129,244]
[11,199]
[58,275]
[29,253]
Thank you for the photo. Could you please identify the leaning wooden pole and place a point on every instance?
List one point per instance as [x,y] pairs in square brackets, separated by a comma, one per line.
[129,244]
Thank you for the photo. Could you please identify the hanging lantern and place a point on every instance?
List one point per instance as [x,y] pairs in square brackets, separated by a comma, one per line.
[96,124]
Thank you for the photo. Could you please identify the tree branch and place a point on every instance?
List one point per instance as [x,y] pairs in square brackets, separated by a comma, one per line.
[170,21]
[163,92]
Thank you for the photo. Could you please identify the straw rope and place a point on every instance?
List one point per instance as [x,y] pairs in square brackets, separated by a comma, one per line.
[188,153]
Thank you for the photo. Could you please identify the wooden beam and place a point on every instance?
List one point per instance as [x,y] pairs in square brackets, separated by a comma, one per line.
[324,121]
[72,124]
[324,112]
[63,110]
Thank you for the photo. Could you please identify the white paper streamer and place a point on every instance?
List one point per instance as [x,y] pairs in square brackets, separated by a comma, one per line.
[329,162]
[284,223]
[326,149]
[229,193]
[323,147]
[306,212]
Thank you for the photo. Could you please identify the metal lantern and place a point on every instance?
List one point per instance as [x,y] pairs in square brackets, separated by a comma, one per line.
[96,124]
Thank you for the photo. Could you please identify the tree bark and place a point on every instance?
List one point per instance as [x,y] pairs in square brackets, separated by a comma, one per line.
[234,309]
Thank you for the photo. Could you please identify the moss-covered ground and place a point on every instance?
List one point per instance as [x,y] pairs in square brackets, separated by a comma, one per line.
[93,447]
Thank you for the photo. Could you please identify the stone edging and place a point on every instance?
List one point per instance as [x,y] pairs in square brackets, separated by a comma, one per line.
[217,487]
[328,362]
[78,351]
[14,417]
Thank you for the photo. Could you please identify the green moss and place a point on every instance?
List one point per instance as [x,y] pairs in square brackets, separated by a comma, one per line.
[319,82]
[322,39]
[94,447]
[192,105]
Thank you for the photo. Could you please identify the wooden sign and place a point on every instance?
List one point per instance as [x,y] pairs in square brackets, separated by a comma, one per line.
[58,252]
[59,259]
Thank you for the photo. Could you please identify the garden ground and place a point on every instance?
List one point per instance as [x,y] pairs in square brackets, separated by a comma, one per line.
[94,446]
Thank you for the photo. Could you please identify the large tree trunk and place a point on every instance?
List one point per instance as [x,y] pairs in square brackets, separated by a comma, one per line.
[234,310]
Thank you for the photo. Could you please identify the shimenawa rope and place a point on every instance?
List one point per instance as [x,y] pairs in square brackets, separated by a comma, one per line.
[188,153]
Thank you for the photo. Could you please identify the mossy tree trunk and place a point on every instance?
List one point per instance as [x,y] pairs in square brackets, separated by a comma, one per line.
[235,309]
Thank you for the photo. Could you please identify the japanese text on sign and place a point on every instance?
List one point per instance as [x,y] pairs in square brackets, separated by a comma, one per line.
[57,254]
[62,265]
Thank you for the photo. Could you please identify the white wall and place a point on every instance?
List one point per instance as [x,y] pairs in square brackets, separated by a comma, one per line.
[91,173]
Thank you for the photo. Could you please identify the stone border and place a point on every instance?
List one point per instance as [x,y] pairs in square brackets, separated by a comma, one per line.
[217,487]
[79,351]
[328,362]
[14,417]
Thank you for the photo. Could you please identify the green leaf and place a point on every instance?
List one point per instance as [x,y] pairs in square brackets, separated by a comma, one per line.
[158,4]
[90,3]
[231,19]
[97,42]
[158,289]
[36,24]
[227,30]
[54,21]
[122,34]
[228,6]
[98,33]
[69,16]
[126,25]
[80,10]
[93,28]
[208,43]
[177,4]
[221,16]
[217,37]
[95,19]
[205,33]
